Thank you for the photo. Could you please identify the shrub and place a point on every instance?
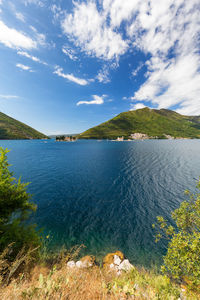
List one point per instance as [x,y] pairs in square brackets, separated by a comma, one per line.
[182,261]
[15,208]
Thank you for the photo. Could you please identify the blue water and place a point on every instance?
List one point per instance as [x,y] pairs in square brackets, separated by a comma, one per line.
[106,194]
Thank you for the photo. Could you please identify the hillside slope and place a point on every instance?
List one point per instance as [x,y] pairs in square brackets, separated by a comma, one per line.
[153,122]
[11,129]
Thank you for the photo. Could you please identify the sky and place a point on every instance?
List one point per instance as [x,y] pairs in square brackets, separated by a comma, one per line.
[66,66]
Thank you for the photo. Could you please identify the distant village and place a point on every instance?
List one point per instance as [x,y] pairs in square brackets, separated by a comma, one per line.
[142,136]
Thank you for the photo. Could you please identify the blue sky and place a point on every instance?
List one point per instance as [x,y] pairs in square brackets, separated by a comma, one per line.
[69,65]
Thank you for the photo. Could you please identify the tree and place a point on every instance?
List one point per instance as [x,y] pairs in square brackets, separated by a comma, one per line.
[15,208]
[182,261]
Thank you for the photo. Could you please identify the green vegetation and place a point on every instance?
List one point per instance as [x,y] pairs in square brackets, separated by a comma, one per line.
[182,261]
[11,129]
[15,208]
[154,123]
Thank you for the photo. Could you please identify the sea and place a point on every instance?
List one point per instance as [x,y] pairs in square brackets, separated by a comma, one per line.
[105,194]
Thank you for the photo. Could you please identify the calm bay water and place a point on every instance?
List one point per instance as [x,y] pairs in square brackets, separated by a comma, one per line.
[106,194]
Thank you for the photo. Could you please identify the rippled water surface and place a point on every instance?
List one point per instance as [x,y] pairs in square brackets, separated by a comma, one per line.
[106,194]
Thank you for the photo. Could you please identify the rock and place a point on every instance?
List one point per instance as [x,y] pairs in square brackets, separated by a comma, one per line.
[109,258]
[117,260]
[71,264]
[125,265]
[79,264]
[87,261]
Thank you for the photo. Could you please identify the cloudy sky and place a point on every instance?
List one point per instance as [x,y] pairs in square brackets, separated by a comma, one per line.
[68,65]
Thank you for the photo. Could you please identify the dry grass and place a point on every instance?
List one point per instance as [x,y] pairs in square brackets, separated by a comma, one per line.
[93,283]
[54,280]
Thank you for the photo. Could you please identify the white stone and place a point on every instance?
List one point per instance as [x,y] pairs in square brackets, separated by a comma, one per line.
[79,264]
[117,260]
[112,266]
[71,264]
[125,265]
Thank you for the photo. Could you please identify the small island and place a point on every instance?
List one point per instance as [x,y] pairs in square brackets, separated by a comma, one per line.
[63,138]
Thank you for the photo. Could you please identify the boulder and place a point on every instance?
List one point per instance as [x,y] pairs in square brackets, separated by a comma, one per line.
[109,258]
[79,264]
[125,265]
[117,260]
[71,264]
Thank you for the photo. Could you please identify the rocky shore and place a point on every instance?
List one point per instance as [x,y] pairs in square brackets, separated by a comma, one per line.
[112,261]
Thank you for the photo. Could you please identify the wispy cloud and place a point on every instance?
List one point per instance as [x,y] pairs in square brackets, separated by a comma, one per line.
[34,58]
[57,11]
[9,97]
[96,100]
[23,67]
[39,37]
[136,71]
[39,3]
[103,75]
[20,16]
[69,52]
[12,38]
[59,71]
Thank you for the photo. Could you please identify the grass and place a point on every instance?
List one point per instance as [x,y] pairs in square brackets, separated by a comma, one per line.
[152,122]
[44,280]
[13,129]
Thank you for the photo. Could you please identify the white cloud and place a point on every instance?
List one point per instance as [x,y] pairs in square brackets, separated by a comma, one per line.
[169,84]
[96,100]
[137,106]
[39,3]
[69,52]
[57,11]
[170,27]
[9,96]
[167,31]
[12,38]
[59,71]
[23,67]
[88,28]
[136,71]
[39,37]
[33,28]
[103,75]
[20,16]
[34,58]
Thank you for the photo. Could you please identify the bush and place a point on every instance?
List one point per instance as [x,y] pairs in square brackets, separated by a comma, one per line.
[182,261]
[15,208]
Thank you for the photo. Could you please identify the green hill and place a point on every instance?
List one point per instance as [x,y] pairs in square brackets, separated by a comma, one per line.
[153,122]
[11,129]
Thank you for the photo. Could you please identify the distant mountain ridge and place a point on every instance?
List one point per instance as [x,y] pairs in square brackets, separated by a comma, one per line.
[11,129]
[153,122]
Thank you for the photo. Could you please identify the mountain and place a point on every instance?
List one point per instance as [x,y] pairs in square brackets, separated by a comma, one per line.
[11,129]
[153,122]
